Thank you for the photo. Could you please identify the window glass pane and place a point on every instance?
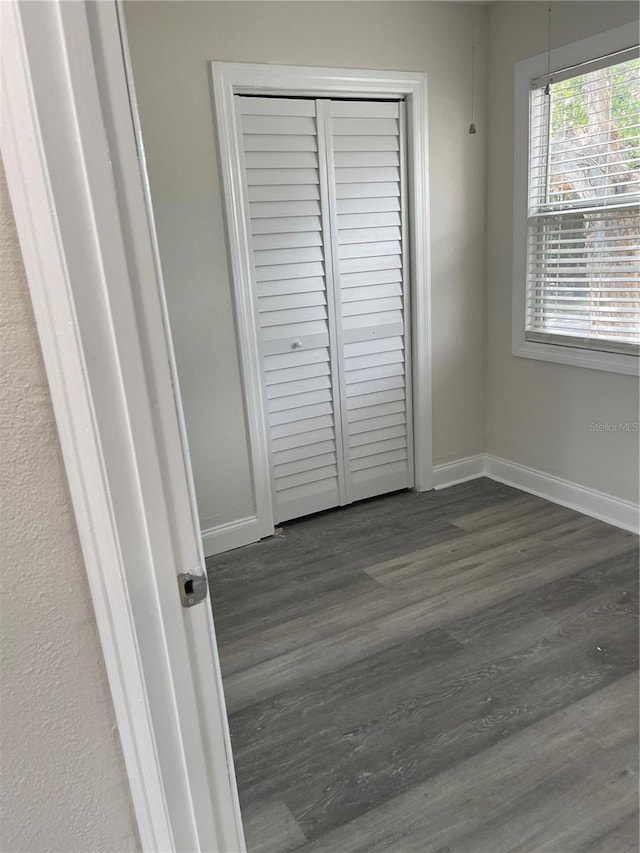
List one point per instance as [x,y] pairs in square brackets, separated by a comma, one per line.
[594,138]
[583,276]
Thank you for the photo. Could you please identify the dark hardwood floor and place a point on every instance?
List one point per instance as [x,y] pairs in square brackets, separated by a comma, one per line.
[451,672]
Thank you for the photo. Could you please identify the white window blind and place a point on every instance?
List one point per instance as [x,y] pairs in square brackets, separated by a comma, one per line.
[583,251]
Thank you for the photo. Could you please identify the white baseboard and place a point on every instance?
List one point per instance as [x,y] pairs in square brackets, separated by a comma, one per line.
[234,534]
[597,504]
[591,502]
[459,471]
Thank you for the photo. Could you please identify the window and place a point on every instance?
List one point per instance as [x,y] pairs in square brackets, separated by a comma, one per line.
[581,270]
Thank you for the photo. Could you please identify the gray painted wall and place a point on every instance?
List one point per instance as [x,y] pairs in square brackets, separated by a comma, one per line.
[171,44]
[538,414]
[64,786]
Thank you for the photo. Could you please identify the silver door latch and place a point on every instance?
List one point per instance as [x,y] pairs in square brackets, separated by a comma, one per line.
[193,588]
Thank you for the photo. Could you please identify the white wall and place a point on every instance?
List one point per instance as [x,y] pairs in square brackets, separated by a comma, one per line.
[539,414]
[171,43]
[64,783]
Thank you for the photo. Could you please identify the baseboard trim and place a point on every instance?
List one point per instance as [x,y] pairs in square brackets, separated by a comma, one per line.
[226,537]
[591,502]
[620,513]
[600,505]
[459,471]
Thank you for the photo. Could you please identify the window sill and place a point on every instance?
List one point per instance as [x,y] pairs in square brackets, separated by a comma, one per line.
[611,362]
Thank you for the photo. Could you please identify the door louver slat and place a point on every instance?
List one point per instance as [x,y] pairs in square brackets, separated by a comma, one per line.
[302,439]
[376,411]
[291,432]
[303,451]
[378,434]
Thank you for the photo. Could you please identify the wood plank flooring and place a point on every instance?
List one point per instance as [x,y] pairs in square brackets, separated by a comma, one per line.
[451,672]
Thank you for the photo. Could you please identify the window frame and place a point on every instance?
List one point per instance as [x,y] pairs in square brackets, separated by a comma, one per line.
[526,71]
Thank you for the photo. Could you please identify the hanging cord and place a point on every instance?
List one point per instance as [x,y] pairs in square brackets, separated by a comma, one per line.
[472,126]
[547,88]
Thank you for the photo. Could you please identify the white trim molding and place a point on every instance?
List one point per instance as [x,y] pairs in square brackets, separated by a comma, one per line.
[591,502]
[609,362]
[564,56]
[233,78]
[615,511]
[234,534]
[459,471]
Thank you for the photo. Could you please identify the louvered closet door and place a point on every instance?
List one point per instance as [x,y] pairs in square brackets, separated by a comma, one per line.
[293,302]
[366,162]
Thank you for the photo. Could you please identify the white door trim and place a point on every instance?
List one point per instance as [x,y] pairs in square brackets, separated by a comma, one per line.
[69,147]
[233,78]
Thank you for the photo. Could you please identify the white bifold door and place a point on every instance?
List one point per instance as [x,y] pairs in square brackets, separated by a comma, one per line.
[325,200]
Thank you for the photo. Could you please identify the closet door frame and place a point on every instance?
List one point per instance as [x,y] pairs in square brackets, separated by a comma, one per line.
[239,78]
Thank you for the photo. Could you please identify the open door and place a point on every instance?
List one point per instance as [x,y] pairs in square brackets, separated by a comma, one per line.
[74,168]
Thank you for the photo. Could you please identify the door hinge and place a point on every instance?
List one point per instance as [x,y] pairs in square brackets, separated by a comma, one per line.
[193,588]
